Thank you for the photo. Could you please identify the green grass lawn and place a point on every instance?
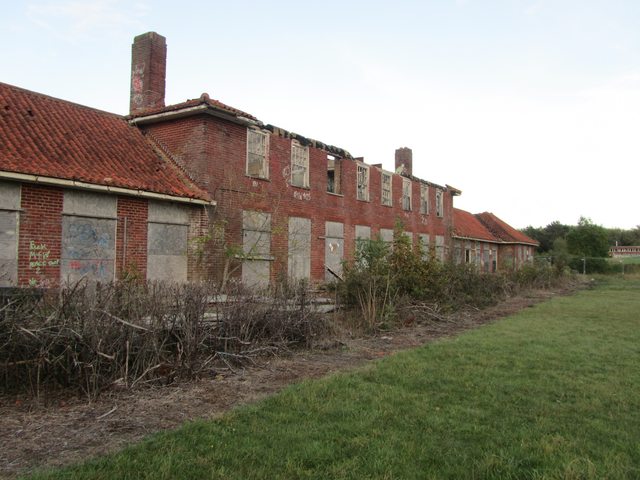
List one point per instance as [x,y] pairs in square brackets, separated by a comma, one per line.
[552,392]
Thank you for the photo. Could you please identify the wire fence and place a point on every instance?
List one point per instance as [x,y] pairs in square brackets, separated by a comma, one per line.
[592,265]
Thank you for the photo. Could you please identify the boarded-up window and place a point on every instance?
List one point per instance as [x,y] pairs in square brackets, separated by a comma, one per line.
[424,199]
[168,229]
[257,154]
[362,192]
[333,250]
[299,248]
[88,237]
[406,194]
[386,189]
[363,235]
[386,235]
[9,206]
[440,248]
[424,245]
[256,248]
[408,236]
[299,165]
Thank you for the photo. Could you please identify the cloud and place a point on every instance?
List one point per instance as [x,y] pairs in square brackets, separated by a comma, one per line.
[76,19]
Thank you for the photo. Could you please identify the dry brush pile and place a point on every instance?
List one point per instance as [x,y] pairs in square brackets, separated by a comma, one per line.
[88,338]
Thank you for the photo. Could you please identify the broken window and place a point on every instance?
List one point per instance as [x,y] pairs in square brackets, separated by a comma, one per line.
[424,199]
[406,194]
[386,189]
[299,165]
[363,182]
[333,174]
[439,203]
[257,149]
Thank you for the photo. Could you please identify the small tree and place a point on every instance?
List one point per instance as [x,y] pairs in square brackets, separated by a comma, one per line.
[588,239]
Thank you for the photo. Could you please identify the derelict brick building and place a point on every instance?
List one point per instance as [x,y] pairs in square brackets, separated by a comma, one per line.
[201,190]
[293,206]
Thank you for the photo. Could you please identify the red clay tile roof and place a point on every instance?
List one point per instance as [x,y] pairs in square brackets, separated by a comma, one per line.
[202,100]
[46,136]
[503,231]
[468,226]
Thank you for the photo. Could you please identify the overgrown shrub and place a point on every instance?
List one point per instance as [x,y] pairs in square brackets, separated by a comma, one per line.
[381,278]
[87,338]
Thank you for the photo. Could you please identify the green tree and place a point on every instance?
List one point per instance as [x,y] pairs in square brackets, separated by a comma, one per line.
[588,239]
[547,235]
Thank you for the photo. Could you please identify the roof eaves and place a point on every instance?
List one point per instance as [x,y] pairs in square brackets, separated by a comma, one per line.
[62,182]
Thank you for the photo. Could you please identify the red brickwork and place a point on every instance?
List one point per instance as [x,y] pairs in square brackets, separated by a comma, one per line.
[131,237]
[39,238]
[214,151]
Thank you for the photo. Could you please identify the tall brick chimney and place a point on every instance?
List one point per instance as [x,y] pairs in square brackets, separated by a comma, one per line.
[148,71]
[404,161]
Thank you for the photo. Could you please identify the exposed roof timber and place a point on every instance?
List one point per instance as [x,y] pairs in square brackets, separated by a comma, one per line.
[342,153]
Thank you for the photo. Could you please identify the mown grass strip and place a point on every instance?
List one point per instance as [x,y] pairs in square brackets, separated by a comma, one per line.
[552,392]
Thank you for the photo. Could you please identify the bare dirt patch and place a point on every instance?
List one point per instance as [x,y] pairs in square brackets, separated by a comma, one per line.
[71,430]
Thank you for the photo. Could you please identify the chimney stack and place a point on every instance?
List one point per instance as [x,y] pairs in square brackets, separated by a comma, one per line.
[148,71]
[404,161]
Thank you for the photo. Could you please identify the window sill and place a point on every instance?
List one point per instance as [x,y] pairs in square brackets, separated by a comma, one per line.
[263,179]
[335,194]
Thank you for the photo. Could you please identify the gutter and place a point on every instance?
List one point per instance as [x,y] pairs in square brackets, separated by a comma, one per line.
[59,182]
[497,242]
[186,112]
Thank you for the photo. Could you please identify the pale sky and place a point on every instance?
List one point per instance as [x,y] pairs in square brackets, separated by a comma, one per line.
[530,107]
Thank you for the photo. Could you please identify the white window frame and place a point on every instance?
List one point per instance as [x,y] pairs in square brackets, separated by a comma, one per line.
[362,182]
[264,154]
[406,194]
[439,203]
[299,162]
[424,199]
[386,193]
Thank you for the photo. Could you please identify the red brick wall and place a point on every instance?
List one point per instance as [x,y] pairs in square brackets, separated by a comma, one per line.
[199,260]
[213,151]
[131,237]
[39,237]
